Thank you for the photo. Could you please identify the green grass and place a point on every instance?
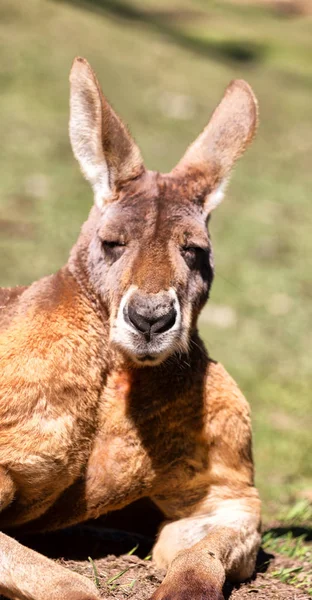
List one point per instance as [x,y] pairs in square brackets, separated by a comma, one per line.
[293,576]
[164,74]
[95,572]
[293,547]
[113,582]
[300,512]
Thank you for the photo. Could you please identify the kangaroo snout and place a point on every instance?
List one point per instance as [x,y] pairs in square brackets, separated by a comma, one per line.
[151,319]
[148,325]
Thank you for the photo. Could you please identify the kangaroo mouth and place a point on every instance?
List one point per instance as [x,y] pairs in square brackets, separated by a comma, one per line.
[147,357]
[145,353]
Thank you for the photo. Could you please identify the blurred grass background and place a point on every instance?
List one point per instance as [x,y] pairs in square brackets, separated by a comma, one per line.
[164,65]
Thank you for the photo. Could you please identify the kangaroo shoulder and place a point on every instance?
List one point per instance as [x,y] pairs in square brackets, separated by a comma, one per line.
[227,410]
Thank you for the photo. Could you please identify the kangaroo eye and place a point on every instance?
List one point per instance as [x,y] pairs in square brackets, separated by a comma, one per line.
[189,249]
[113,250]
[189,254]
[112,244]
[193,255]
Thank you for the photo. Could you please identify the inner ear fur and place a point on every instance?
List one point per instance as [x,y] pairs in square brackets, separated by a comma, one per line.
[101,143]
[225,138]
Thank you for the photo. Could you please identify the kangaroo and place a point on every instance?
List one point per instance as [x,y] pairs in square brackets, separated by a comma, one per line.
[107,392]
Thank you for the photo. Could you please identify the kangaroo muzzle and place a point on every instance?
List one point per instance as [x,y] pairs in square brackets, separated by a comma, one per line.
[148,326]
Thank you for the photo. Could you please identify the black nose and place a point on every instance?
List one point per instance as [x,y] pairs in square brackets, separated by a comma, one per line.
[150,325]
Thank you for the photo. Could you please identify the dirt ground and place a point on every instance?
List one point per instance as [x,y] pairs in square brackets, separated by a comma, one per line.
[120,565]
[141,578]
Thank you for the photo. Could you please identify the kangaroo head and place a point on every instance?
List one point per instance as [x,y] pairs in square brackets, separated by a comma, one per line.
[145,248]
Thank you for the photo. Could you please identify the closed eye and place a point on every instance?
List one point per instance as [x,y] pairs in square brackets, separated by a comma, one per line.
[113,250]
[194,255]
[110,244]
[193,249]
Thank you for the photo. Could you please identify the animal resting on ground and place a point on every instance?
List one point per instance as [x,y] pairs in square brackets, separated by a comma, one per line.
[107,392]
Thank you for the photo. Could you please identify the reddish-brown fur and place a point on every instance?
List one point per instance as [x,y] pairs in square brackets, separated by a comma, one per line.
[97,411]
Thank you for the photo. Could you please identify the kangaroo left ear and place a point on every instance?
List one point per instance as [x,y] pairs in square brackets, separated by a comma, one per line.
[100,141]
[226,137]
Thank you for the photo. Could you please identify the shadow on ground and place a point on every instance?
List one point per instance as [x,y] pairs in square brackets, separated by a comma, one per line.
[296,531]
[121,541]
[115,533]
[166,23]
[75,546]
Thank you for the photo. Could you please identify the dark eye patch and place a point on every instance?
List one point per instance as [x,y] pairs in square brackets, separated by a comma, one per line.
[113,249]
[199,259]
[112,244]
[193,255]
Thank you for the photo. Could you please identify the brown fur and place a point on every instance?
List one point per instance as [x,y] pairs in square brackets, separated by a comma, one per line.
[89,424]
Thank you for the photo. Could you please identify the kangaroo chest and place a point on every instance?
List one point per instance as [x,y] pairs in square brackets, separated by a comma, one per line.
[137,450]
[148,444]
[121,466]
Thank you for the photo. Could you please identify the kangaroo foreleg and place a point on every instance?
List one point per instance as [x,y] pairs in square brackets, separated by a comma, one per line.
[202,550]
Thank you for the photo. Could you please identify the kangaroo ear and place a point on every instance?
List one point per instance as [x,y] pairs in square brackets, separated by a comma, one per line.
[226,137]
[100,141]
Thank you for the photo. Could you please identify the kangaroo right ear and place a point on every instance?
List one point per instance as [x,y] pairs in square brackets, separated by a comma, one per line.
[226,137]
[100,141]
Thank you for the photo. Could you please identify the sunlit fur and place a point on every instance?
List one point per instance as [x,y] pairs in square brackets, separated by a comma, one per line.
[107,394]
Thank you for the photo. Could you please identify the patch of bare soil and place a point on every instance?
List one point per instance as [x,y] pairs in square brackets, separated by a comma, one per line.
[131,577]
[135,577]
[119,563]
[128,576]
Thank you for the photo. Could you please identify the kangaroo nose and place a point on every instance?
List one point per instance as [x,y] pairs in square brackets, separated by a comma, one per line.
[150,325]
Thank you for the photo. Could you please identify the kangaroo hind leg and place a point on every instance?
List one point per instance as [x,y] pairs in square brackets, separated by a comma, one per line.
[27,575]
